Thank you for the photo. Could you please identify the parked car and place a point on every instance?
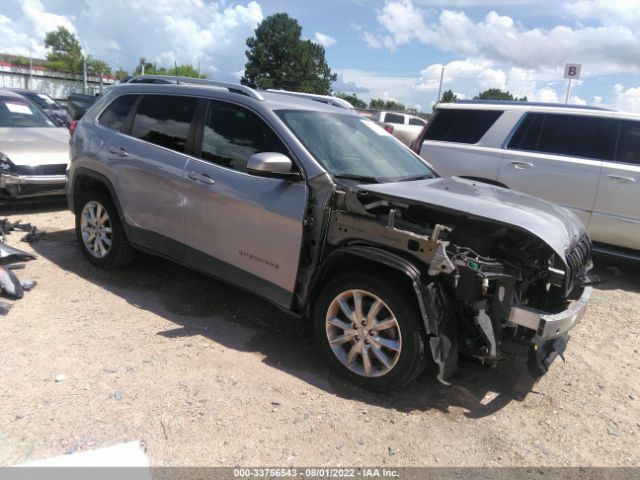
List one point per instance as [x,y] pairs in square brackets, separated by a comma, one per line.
[323,213]
[77,105]
[47,104]
[403,126]
[33,153]
[584,158]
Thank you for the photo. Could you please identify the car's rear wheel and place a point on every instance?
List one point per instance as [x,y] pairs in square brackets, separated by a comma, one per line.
[99,231]
[369,330]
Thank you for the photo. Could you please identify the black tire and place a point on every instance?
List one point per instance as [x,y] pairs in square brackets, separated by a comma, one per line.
[120,251]
[411,359]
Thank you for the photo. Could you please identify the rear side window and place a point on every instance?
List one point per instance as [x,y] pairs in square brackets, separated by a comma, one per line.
[461,126]
[629,142]
[232,134]
[116,113]
[164,120]
[394,118]
[416,121]
[573,135]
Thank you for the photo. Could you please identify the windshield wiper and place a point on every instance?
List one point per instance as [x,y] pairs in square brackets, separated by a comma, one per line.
[360,178]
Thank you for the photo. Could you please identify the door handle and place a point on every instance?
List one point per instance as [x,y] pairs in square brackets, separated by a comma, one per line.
[621,179]
[201,177]
[521,165]
[118,151]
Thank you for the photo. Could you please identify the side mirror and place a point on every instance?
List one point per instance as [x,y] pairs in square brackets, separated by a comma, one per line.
[272,164]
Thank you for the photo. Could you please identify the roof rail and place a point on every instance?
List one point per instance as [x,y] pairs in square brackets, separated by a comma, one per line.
[335,101]
[232,87]
[531,104]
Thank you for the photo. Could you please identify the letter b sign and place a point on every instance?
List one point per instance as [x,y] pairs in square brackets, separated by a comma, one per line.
[572,70]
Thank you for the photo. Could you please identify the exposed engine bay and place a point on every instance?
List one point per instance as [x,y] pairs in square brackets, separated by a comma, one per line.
[477,276]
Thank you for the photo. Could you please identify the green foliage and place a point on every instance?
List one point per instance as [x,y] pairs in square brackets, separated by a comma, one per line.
[96,66]
[352,99]
[121,73]
[497,94]
[180,71]
[278,58]
[65,52]
[380,104]
[449,97]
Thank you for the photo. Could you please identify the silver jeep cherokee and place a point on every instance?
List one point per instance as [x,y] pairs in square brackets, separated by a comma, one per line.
[301,201]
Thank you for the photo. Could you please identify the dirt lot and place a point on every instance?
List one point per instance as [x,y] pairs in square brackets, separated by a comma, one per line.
[206,374]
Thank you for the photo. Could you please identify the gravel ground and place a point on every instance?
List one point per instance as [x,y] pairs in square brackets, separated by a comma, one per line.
[208,375]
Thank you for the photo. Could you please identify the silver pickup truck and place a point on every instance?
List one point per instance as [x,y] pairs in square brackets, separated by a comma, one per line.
[322,212]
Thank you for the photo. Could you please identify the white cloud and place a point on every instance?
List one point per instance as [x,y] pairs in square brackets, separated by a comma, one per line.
[626,99]
[608,48]
[43,21]
[211,34]
[324,40]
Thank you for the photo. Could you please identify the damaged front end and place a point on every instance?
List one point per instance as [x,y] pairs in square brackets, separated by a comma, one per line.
[486,287]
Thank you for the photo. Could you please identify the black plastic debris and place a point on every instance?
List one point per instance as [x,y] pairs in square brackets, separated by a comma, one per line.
[33,233]
[13,259]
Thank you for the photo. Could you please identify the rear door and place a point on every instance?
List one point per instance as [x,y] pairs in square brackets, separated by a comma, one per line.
[616,214]
[558,157]
[149,161]
[244,228]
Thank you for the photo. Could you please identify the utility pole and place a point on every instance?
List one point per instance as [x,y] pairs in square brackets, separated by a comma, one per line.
[84,71]
[30,71]
[100,80]
[440,87]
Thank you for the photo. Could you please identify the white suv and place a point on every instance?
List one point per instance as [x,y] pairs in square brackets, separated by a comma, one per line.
[586,159]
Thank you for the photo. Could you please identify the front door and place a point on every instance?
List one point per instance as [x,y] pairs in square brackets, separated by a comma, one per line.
[243,228]
[558,158]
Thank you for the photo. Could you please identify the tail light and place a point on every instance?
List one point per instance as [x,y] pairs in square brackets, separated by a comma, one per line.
[72,126]
[389,128]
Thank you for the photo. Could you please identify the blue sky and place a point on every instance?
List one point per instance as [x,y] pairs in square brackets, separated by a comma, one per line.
[391,49]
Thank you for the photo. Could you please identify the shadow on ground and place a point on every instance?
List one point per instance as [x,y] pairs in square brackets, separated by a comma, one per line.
[200,305]
[617,273]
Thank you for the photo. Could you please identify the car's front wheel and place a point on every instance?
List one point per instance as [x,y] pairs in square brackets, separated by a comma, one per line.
[99,231]
[370,331]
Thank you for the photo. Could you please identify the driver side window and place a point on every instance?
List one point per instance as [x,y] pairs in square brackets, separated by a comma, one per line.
[232,134]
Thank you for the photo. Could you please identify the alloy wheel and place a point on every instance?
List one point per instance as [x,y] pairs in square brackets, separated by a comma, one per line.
[363,333]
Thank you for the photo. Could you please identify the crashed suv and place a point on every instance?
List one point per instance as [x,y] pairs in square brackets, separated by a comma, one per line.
[301,201]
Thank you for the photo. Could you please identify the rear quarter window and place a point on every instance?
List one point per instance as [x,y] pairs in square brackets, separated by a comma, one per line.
[117,112]
[461,126]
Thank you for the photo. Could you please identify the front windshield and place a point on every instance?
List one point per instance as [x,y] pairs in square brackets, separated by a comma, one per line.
[16,113]
[353,147]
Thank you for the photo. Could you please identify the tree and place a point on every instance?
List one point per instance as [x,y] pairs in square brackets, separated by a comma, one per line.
[380,104]
[96,66]
[497,94]
[352,99]
[449,97]
[66,53]
[121,73]
[278,58]
[179,71]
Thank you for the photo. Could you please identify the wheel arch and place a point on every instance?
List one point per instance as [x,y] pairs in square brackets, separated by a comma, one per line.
[85,179]
[374,258]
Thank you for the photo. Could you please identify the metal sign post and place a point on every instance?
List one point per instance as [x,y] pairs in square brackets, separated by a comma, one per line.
[571,71]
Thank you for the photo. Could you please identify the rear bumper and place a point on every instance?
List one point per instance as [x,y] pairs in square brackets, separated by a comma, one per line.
[551,326]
